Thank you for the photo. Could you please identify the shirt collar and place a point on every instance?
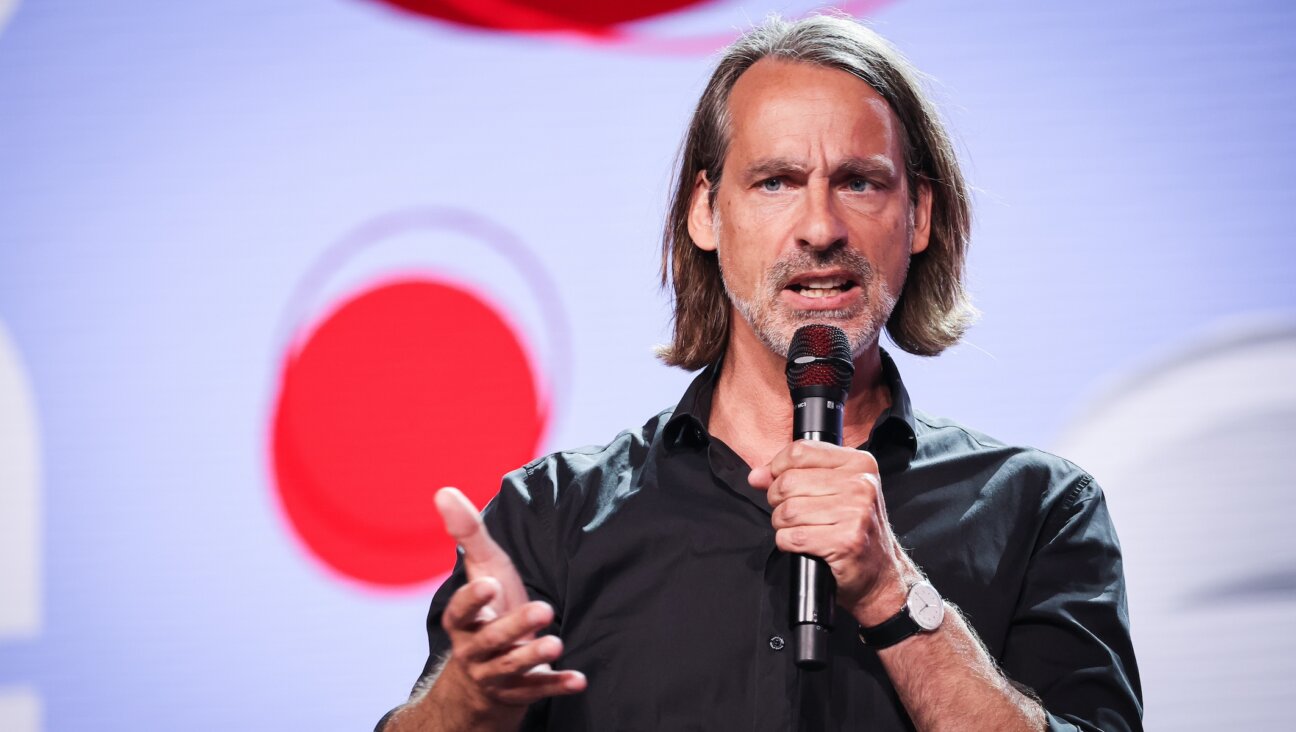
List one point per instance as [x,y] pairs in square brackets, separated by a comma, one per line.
[893,440]
[687,425]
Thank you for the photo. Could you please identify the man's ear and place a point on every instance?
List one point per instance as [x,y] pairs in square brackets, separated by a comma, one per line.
[922,219]
[700,220]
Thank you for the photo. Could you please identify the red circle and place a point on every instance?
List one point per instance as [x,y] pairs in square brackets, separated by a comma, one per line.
[401,390]
[594,17]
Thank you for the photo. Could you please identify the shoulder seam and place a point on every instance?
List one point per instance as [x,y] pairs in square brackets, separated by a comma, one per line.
[1073,493]
[994,443]
[960,428]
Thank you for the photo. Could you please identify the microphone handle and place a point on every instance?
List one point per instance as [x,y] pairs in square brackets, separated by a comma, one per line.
[815,416]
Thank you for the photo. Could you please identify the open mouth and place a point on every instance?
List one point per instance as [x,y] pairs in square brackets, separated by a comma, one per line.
[822,286]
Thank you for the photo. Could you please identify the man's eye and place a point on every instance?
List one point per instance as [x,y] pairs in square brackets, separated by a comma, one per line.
[858,185]
[772,184]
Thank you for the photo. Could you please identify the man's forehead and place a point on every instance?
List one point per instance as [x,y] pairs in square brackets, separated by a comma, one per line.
[782,108]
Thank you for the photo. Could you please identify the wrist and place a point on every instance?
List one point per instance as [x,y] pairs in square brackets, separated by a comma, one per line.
[923,612]
[887,597]
[462,699]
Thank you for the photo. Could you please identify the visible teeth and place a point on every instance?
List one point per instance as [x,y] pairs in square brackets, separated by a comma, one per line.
[821,291]
[827,284]
[822,287]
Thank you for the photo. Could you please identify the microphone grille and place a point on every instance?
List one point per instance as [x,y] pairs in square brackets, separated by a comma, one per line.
[820,356]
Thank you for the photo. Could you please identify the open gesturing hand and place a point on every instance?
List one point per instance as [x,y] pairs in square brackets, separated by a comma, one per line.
[496,659]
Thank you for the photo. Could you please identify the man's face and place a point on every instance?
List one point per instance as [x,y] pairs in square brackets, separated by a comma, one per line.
[812,221]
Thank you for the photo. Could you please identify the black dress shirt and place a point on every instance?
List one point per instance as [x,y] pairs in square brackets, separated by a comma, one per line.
[670,596]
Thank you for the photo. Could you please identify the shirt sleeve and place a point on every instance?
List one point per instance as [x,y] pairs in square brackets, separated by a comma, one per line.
[520,520]
[1069,640]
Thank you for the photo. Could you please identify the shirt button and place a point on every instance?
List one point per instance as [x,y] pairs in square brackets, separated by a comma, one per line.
[776,642]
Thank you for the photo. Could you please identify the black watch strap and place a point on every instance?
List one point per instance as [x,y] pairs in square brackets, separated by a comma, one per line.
[889,632]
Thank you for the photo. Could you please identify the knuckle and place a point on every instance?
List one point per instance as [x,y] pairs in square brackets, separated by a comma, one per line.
[781,540]
[789,513]
[862,483]
[860,525]
[789,486]
[867,462]
[490,637]
[774,496]
[856,545]
[511,664]
[796,537]
[477,672]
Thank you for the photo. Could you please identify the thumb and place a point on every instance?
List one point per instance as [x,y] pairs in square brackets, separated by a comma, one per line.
[482,556]
[464,524]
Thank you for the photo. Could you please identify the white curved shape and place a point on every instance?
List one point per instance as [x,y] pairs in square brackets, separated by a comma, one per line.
[1197,456]
[7,7]
[20,559]
[19,500]
[20,710]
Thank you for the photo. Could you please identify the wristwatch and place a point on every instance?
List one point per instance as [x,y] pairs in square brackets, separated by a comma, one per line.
[922,612]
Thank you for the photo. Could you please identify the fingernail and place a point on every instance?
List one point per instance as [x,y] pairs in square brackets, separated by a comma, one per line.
[537,614]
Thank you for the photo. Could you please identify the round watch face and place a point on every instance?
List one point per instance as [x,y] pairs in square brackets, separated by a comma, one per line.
[925,606]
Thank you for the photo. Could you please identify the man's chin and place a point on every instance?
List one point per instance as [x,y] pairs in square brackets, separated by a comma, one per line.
[775,330]
[860,335]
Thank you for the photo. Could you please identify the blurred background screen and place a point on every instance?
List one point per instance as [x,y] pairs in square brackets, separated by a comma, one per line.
[271,273]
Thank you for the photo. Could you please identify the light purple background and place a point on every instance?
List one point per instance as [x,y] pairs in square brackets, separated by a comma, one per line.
[170,172]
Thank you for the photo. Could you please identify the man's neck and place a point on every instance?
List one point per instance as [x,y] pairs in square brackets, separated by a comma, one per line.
[752,412]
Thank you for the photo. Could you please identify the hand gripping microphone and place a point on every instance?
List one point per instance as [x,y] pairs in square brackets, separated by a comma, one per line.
[819,371]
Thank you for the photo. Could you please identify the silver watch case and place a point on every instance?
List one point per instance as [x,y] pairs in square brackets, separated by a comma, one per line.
[925,605]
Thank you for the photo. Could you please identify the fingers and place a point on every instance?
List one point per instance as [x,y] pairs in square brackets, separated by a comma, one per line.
[471,623]
[501,657]
[866,487]
[502,636]
[492,627]
[465,610]
[832,543]
[760,478]
[464,523]
[540,683]
[808,454]
[527,666]
[817,511]
[812,454]
[535,654]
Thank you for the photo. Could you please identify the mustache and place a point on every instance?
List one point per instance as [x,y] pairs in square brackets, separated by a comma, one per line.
[849,261]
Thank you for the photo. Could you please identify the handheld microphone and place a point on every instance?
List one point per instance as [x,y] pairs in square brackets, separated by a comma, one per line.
[819,371]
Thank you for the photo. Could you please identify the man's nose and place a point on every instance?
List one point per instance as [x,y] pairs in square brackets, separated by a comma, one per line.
[821,226]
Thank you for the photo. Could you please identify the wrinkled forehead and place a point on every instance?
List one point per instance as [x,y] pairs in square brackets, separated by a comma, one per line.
[816,114]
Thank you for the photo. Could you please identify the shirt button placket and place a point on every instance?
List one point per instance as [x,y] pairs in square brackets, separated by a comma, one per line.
[776,642]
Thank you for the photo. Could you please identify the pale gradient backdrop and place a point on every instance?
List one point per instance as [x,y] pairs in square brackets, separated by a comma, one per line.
[190,192]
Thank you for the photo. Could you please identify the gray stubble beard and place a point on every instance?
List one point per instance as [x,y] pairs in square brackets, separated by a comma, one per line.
[777,336]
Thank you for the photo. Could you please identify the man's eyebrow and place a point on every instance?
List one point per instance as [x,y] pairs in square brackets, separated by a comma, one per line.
[773,167]
[850,167]
[864,167]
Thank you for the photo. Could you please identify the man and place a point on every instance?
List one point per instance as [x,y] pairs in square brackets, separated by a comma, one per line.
[644,585]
